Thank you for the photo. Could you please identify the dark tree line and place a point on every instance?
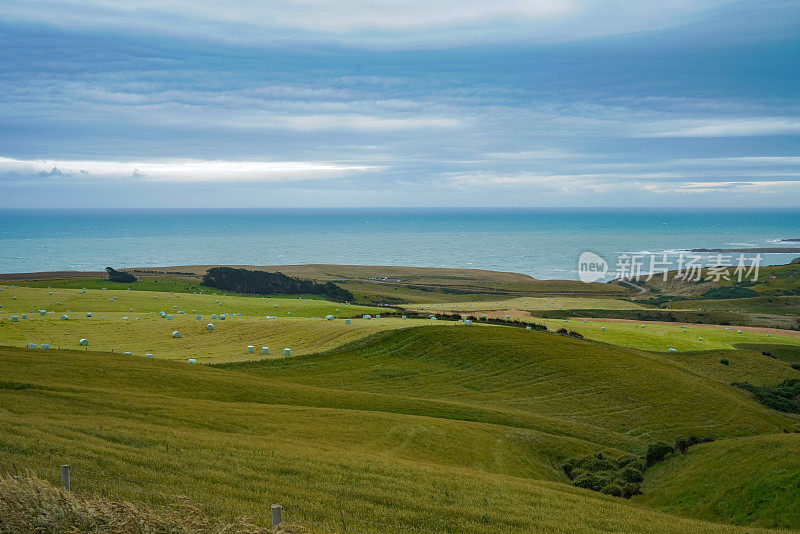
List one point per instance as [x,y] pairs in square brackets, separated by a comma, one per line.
[265,283]
[119,276]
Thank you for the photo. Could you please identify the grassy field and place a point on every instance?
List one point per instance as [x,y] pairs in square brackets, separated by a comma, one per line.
[743,365]
[787,353]
[725,318]
[789,305]
[113,327]
[777,280]
[746,481]
[299,324]
[394,284]
[149,283]
[227,342]
[30,504]
[454,429]
[623,396]
[425,424]
[661,337]
[127,302]
[773,280]
[530,303]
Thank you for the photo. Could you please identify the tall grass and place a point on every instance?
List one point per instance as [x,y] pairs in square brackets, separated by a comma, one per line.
[448,458]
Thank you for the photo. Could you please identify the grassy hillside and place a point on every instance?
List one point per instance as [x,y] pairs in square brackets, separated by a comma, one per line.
[743,366]
[29,504]
[228,341]
[661,337]
[683,316]
[381,283]
[371,284]
[18,300]
[178,284]
[128,426]
[787,305]
[746,481]
[627,392]
[773,280]
[787,353]
[113,327]
[530,303]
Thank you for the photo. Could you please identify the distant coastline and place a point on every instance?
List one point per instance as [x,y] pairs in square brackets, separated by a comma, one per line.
[754,250]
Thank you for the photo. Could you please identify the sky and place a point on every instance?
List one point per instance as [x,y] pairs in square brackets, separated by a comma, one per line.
[387,103]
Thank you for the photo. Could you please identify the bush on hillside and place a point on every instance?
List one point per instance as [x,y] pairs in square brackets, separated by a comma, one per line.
[630,474]
[592,481]
[568,333]
[119,276]
[623,476]
[724,361]
[629,490]
[613,489]
[729,293]
[629,459]
[782,397]
[656,452]
[264,283]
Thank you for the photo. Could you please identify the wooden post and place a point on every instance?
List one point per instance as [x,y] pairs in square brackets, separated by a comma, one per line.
[65,477]
[277,515]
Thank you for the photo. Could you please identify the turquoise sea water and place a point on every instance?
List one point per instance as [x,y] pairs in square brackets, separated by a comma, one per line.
[544,243]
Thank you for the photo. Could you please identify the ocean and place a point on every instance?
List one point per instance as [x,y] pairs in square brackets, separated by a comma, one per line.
[544,243]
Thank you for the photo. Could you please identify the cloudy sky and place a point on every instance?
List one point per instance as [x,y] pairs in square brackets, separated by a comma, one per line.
[189,103]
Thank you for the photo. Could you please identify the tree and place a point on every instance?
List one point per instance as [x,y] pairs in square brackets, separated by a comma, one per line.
[119,276]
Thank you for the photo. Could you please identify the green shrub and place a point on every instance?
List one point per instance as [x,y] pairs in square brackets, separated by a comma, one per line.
[682,445]
[630,474]
[592,481]
[631,489]
[266,283]
[782,397]
[568,469]
[119,276]
[796,366]
[626,459]
[598,464]
[724,361]
[729,293]
[656,452]
[613,489]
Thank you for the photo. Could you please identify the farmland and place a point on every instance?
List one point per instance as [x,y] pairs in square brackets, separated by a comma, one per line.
[386,424]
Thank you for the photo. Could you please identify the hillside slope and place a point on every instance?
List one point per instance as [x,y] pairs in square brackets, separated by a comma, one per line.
[628,392]
[747,481]
[129,425]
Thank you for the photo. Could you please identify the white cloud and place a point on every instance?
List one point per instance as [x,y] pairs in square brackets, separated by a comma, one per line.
[187,170]
[749,127]
[355,122]
[660,183]
[370,21]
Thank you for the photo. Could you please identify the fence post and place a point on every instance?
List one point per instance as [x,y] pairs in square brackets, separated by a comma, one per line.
[277,515]
[65,477]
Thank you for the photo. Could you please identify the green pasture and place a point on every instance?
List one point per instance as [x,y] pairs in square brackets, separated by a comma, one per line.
[449,428]
[529,303]
[785,305]
[127,301]
[660,338]
[721,480]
